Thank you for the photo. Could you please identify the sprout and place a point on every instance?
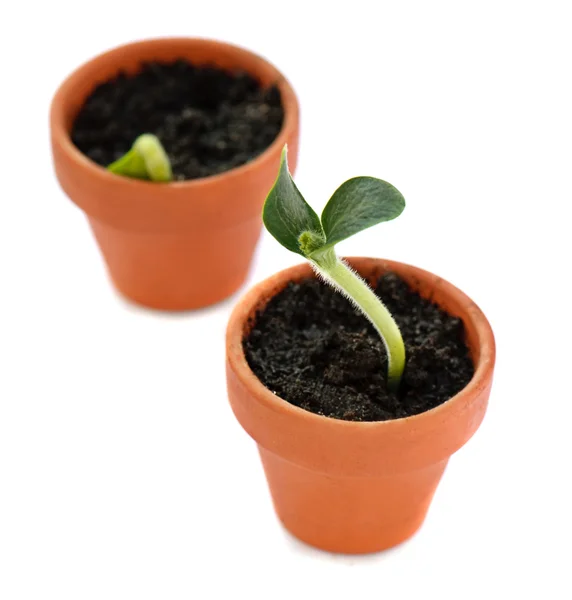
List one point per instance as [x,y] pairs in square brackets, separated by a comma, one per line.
[357,204]
[147,159]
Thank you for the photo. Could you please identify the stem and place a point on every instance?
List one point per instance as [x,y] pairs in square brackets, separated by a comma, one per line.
[347,281]
[155,158]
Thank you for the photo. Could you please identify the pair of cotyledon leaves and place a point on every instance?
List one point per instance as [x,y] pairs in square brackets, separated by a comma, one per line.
[357,204]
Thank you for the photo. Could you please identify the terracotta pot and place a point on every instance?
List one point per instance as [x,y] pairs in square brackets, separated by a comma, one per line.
[356,487]
[178,245]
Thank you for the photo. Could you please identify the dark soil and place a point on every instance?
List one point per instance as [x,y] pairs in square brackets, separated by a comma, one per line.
[209,120]
[311,348]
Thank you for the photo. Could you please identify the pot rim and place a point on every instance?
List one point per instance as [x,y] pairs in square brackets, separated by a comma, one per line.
[257,297]
[129,185]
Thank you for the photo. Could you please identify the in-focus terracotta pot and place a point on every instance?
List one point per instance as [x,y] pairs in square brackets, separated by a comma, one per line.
[356,487]
[179,245]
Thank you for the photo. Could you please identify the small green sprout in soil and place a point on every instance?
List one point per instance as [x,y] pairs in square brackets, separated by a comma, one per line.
[147,159]
[357,204]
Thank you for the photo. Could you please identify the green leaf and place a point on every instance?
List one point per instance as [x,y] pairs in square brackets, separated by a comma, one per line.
[130,165]
[286,214]
[357,204]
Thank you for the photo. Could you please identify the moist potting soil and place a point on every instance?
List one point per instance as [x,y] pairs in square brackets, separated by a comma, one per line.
[312,348]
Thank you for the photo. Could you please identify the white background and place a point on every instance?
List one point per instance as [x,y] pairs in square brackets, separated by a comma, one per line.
[123,473]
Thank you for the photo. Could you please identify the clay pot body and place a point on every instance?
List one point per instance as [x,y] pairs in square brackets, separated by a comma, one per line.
[180,245]
[347,486]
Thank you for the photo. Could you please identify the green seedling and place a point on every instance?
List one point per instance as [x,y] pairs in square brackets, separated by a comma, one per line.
[357,204]
[147,159]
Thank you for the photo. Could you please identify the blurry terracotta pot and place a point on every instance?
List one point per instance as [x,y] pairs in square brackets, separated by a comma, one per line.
[178,245]
[356,487]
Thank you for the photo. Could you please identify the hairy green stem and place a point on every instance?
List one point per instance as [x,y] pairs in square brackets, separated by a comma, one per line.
[343,278]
